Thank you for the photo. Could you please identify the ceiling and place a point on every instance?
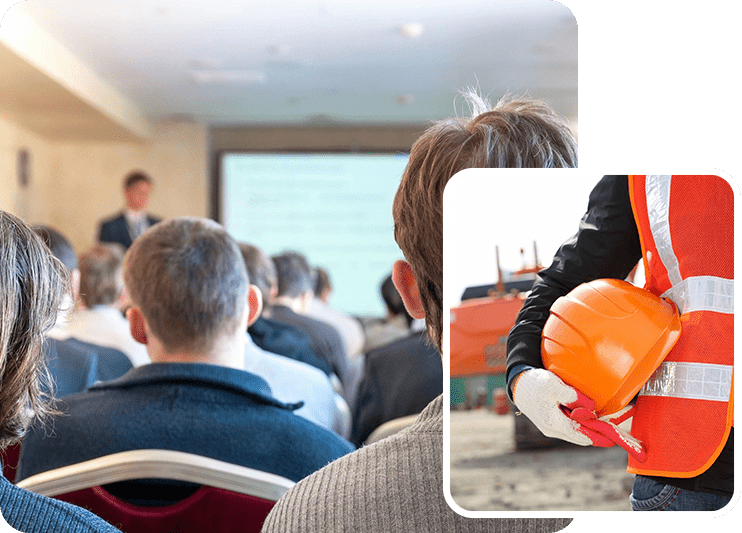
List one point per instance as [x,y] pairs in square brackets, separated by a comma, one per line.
[228,62]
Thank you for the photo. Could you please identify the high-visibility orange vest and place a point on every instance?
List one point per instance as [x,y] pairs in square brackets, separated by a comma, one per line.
[685,411]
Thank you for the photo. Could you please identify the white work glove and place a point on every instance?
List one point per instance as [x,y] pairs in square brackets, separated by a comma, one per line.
[562,412]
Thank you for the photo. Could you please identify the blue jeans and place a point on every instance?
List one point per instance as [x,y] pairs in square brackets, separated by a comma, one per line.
[649,495]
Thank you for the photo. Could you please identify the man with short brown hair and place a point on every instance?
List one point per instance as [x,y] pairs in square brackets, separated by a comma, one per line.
[100,321]
[127,225]
[396,484]
[191,304]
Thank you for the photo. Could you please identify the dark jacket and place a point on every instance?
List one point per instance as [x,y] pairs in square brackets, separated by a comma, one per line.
[214,411]
[76,365]
[400,379]
[324,340]
[115,229]
[288,341]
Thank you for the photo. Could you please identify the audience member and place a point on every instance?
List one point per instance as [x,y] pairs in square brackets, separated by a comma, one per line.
[191,303]
[395,325]
[294,381]
[74,364]
[127,225]
[319,308]
[397,483]
[401,379]
[32,285]
[271,335]
[295,290]
[100,321]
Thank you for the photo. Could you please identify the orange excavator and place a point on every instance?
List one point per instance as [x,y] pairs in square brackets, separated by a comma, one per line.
[479,331]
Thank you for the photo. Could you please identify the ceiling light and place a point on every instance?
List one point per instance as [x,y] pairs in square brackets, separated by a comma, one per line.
[280,49]
[411,30]
[227,76]
[404,99]
[204,64]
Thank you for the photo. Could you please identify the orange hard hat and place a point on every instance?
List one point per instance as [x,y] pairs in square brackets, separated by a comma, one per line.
[606,338]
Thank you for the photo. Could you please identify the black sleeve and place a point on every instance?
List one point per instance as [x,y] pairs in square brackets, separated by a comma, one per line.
[367,413]
[606,245]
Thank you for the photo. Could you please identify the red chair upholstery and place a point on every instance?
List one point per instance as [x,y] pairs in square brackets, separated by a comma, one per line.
[231,498]
[208,510]
[9,457]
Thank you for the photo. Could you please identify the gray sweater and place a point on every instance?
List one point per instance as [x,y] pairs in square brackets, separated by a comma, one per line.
[395,484]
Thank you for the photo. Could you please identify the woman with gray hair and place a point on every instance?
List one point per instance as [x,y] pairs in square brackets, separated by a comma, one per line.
[32,282]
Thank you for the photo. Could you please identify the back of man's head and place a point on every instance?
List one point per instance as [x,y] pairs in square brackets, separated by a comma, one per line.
[187,277]
[295,277]
[260,269]
[322,284]
[512,134]
[59,246]
[101,282]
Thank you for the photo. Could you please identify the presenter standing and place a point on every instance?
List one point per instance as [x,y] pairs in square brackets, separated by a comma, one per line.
[127,225]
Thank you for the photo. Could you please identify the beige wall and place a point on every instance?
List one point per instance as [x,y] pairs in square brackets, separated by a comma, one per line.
[27,203]
[89,175]
[76,183]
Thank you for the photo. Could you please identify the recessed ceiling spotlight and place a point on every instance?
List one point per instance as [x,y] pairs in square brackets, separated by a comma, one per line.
[411,30]
[279,49]
[227,76]
[404,99]
[204,63]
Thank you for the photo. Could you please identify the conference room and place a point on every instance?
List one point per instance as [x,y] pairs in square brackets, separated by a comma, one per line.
[252,152]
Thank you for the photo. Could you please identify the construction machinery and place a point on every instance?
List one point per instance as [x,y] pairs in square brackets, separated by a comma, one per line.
[478,338]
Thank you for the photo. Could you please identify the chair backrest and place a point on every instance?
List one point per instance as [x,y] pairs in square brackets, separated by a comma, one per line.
[390,427]
[232,498]
[343,422]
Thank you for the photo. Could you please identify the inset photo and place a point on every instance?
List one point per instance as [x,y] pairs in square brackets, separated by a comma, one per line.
[588,345]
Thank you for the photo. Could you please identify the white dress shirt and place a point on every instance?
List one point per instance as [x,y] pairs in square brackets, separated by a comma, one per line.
[294,381]
[104,325]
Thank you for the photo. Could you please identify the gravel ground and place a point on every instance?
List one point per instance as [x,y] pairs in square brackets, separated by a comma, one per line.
[488,474]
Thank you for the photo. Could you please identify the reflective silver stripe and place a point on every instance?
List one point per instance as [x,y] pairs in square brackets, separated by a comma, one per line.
[697,293]
[658,210]
[703,293]
[695,381]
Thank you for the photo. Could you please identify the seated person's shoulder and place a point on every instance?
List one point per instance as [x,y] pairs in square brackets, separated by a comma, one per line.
[398,480]
[409,463]
[113,218]
[313,439]
[32,513]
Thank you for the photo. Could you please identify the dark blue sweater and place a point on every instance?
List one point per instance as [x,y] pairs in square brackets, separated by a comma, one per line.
[209,410]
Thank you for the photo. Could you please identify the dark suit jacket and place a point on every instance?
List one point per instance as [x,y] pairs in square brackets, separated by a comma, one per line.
[400,379]
[76,365]
[209,410]
[324,340]
[285,340]
[115,229]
